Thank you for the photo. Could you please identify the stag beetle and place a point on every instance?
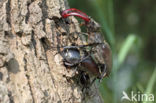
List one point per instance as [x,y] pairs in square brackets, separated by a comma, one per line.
[74,56]
[99,62]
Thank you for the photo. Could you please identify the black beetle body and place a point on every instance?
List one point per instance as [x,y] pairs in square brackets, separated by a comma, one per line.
[71,56]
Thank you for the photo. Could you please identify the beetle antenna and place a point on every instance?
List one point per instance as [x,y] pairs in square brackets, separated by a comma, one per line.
[78,46]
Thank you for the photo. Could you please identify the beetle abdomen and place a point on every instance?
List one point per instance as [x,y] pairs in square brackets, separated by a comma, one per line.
[90,66]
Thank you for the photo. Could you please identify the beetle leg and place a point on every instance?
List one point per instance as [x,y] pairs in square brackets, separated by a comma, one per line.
[82,33]
[56,53]
[82,23]
[74,72]
[104,71]
[93,81]
[84,79]
[68,64]
[82,59]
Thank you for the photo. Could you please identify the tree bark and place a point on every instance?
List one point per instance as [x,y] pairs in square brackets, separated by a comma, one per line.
[30,72]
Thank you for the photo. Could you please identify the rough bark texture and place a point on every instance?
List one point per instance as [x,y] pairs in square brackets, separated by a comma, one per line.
[30,72]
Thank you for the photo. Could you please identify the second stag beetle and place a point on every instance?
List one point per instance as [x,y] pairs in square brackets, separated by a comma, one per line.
[99,61]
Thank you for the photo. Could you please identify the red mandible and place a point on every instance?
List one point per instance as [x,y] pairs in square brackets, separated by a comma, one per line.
[75,12]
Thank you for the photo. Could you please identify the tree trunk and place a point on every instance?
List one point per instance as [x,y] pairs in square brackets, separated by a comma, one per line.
[31,72]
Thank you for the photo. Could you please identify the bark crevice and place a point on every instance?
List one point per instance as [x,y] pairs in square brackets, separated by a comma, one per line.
[11,99]
[28,13]
[8,9]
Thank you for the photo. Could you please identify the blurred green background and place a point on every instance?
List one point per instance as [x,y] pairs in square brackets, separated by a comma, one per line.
[130,28]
